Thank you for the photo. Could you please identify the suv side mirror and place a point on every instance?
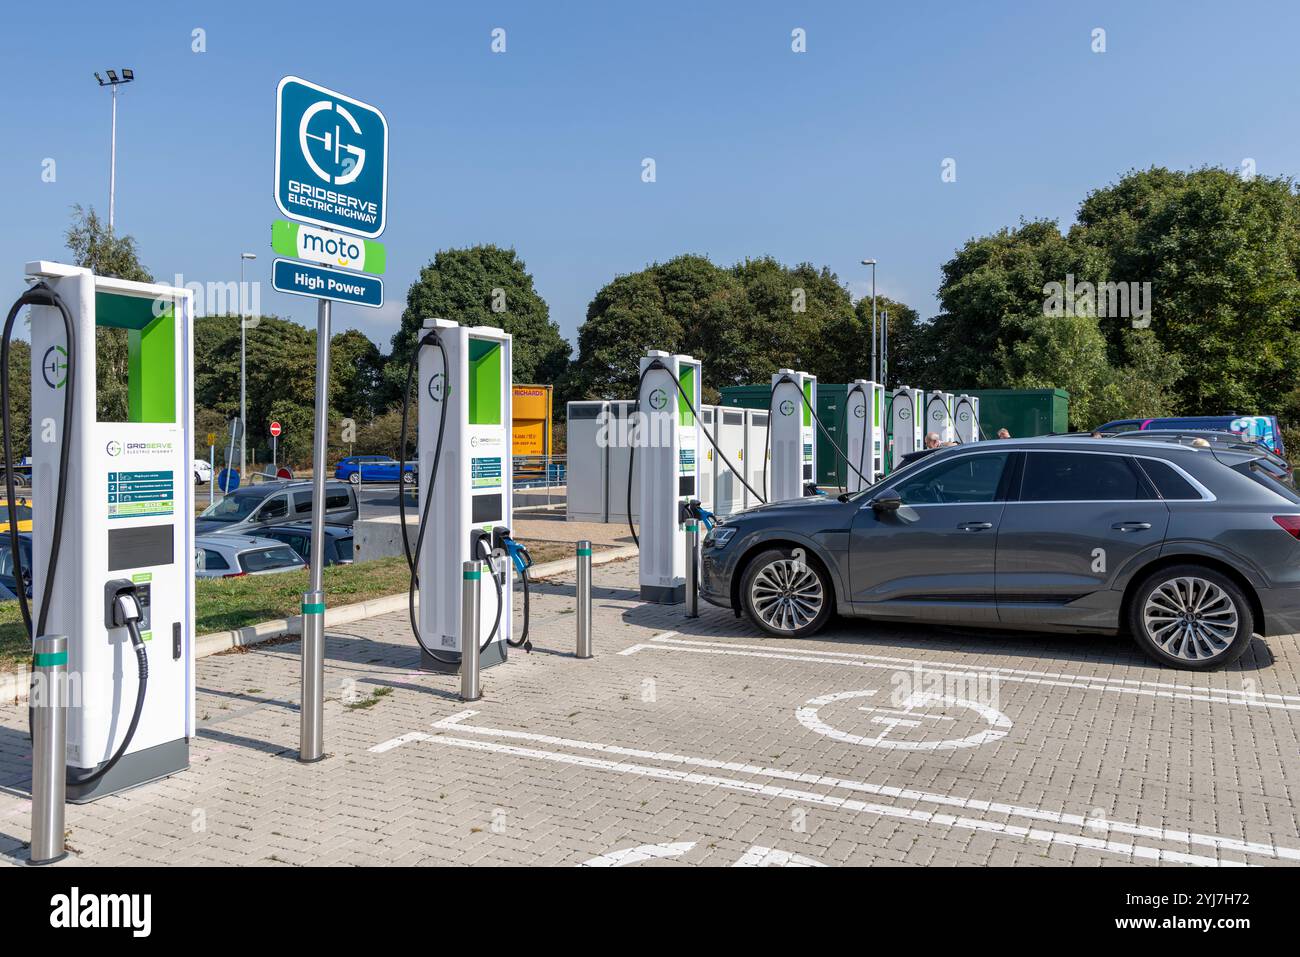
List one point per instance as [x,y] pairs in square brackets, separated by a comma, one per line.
[886,501]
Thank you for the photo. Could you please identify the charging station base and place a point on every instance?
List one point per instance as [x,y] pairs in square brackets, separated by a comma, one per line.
[494,654]
[135,769]
[664,594]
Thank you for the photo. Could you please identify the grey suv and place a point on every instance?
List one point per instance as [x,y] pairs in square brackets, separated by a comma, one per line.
[274,503]
[1190,550]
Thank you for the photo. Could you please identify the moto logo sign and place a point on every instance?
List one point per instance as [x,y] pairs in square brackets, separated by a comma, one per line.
[331,158]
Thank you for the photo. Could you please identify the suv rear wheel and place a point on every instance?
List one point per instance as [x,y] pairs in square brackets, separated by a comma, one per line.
[1191,617]
[786,595]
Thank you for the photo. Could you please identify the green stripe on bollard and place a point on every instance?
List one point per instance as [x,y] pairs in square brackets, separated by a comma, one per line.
[49,661]
[584,553]
[692,527]
[315,608]
[471,576]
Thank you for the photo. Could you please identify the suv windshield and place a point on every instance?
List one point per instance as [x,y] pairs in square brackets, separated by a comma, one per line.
[232,508]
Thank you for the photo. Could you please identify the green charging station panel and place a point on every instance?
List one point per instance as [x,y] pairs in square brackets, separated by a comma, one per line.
[151,352]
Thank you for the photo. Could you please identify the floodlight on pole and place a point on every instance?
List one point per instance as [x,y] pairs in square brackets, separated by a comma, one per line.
[113,82]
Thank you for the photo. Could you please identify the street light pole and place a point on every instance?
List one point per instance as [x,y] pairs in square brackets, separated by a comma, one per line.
[113,82]
[874,333]
[243,392]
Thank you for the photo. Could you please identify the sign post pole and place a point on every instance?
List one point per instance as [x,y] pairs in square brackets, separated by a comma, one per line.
[212,467]
[312,737]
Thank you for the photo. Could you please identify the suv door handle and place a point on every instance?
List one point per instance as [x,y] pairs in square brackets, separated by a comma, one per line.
[974,526]
[1131,526]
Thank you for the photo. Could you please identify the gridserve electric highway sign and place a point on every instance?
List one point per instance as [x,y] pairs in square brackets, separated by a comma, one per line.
[331,159]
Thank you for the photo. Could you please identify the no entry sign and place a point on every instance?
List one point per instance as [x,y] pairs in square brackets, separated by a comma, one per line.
[275,429]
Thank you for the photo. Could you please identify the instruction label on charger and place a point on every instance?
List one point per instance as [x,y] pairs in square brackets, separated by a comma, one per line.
[141,494]
[686,461]
[485,472]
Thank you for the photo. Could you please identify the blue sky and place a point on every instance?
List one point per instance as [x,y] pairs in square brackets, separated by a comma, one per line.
[827,156]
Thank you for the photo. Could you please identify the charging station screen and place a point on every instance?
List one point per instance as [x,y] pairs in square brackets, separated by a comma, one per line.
[142,547]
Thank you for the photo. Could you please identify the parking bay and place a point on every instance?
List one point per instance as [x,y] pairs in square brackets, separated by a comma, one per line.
[699,742]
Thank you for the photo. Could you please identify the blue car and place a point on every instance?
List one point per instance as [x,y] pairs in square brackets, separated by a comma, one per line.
[375,468]
[1263,429]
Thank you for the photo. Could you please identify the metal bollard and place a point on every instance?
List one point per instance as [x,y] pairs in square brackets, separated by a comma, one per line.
[583,649]
[471,575]
[693,569]
[49,736]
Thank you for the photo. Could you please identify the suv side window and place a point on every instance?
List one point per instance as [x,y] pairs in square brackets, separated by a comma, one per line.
[336,500]
[213,560]
[968,478]
[275,507]
[1168,482]
[302,503]
[1081,477]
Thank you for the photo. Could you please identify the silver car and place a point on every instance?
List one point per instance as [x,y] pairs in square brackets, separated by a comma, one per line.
[232,556]
[1191,550]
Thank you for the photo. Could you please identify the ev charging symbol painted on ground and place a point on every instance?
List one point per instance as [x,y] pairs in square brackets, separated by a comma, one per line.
[755,856]
[54,366]
[921,714]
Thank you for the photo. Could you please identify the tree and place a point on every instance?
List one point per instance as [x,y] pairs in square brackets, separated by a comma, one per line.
[1222,256]
[356,375]
[482,286]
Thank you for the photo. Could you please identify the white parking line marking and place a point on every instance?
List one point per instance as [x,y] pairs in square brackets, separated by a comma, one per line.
[1128,851]
[455,722]
[846,659]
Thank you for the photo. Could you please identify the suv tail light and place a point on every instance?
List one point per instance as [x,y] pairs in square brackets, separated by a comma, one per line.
[1289,523]
[242,574]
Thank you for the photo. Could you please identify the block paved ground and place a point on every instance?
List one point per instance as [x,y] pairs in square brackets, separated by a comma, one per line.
[698,742]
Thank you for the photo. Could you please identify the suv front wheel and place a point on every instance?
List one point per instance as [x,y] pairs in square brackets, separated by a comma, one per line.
[1191,617]
[786,595]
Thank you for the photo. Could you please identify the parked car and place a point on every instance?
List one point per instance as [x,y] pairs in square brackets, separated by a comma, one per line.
[1261,428]
[338,541]
[232,556]
[8,573]
[202,471]
[375,468]
[1190,550]
[20,512]
[1219,440]
[274,503]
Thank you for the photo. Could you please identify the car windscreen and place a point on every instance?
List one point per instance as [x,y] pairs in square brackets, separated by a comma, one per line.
[266,559]
[232,508]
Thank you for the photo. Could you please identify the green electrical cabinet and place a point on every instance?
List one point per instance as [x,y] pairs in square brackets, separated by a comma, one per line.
[830,409]
[1023,412]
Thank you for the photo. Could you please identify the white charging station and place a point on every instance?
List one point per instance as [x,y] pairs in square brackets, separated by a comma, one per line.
[128,521]
[729,490]
[710,467]
[757,457]
[667,445]
[472,492]
[939,415]
[966,416]
[865,434]
[794,442]
[907,423]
